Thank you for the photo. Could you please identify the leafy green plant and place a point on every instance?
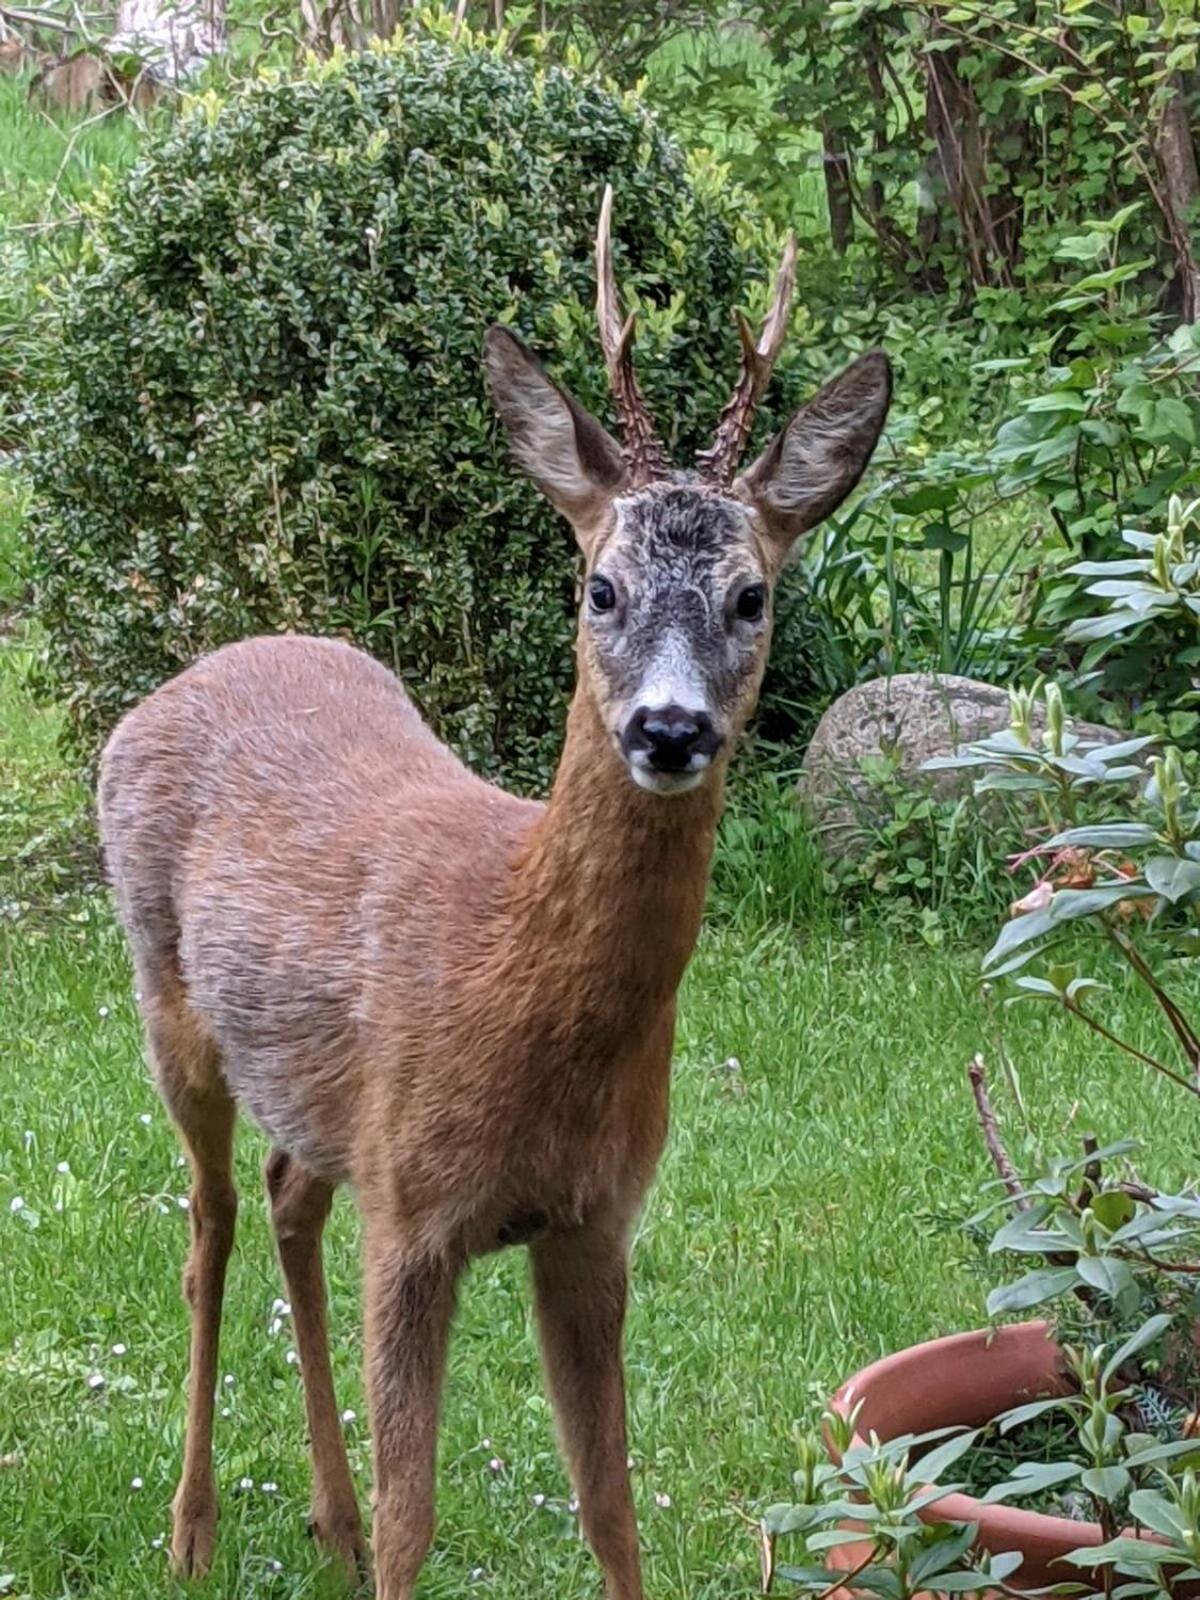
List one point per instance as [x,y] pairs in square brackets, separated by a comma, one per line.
[880,1489]
[768,868]
[1144,641]
[900,584]
[1104,437]
[1109,877]
[263,405]
[916,852]
[873,1502]
[1119,1246]
[1129,1477]
[1162,580]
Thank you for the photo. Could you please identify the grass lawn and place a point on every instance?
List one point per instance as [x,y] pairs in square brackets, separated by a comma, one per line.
[790,1238]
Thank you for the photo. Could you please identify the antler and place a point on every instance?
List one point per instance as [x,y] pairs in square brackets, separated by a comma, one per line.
[733,427]
[642,449]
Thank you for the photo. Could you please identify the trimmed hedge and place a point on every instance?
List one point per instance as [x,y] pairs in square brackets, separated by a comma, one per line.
[266,406]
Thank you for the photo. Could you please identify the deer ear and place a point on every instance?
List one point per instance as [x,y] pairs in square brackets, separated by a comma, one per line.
[810,467]
[573,460]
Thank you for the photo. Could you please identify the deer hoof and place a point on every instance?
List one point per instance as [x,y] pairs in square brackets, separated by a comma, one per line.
[193,1537]
[341,1533]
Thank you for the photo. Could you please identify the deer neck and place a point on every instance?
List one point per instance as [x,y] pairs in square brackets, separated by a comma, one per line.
[609,890]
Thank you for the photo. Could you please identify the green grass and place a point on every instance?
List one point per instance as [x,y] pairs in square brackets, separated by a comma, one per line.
[47,159]
[788,1240]
[47,854]
[12,547]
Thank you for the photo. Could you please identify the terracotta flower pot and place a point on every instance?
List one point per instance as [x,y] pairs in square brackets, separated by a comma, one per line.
[969,1379]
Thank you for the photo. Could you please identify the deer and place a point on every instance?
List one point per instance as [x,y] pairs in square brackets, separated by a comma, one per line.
[459,1002]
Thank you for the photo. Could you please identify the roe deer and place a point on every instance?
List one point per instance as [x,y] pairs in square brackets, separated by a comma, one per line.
[460,1002]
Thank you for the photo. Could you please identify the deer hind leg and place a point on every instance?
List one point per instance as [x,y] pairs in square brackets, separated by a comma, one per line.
[410,1302]
[187,1067]
[299,1208]
[580,1286]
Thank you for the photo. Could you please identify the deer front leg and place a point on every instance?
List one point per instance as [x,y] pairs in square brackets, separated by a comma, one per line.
[580,1284]
[410,1301]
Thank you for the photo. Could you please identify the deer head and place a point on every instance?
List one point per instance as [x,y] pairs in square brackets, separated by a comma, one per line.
[681,564]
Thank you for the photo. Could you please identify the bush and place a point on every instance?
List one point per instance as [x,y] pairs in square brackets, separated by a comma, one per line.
[265,407]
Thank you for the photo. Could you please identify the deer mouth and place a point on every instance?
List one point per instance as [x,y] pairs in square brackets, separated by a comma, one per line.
[653,781]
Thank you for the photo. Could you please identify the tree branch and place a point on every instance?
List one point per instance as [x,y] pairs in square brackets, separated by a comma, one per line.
[992,1137]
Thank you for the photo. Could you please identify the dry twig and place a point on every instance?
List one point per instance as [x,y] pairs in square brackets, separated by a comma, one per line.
[992,1138]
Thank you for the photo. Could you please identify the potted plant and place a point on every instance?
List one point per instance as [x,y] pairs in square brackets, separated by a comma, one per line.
[878,1517]
[1092,1412]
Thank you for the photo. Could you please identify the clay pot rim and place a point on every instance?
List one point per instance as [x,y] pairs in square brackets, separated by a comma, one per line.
[958,1507]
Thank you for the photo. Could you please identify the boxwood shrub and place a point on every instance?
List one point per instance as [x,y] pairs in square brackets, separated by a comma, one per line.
[265,407]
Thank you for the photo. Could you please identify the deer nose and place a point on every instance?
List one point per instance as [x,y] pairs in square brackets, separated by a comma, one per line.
[671,738]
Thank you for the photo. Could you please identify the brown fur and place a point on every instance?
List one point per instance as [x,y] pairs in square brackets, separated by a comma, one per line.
[82,81]
[15,56]
[460,1002]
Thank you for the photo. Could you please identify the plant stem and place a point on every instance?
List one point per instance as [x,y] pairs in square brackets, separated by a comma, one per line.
[992,1138]
[1180,1026]
[848,1577]
[1077,1010]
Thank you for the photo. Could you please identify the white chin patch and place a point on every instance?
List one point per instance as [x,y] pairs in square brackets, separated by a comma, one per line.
[665,782]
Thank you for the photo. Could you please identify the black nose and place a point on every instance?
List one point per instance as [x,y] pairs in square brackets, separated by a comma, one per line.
[671,736]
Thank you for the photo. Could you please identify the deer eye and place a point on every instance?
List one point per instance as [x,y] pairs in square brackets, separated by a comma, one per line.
[601,594]
[750,603]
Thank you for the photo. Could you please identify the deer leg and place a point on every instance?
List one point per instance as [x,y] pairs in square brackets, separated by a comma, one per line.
[300,1205]
[205,1116]
[580,1286]
[410,1301]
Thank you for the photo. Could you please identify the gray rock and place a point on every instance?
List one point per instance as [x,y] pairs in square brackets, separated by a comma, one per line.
[901,722]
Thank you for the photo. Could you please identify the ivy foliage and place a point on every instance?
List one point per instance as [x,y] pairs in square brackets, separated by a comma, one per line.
[266,407]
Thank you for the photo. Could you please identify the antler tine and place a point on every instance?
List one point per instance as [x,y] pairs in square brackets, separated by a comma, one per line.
[642,449]
[758,359]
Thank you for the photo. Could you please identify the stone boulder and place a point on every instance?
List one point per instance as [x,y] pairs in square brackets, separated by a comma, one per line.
[904,720]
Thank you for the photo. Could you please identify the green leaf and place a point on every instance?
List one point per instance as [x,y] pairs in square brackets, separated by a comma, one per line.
[1068,905]
[1105,836]
[1034,1289]
[1105,1273]
[935,1462]
[942,1554]
[1145,1335]
[1111,569]
[1032,1477]
[1021,1226]
[1088,628]
[1040,988]
[1174,877]
[964,1582]
[1019,932]
[1107,1483]
[1004,1563]
[785,1518]
[1184,1452]
[1125,747]
[1018,1416]
[1012,783]
[1176,417]
[1112,1209]
[1154,1511]
[1058,400]
[1121,1550]
[929,497]
[831,1539]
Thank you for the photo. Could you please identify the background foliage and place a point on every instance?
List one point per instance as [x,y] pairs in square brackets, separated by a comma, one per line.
[267,409]
[1002,192]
